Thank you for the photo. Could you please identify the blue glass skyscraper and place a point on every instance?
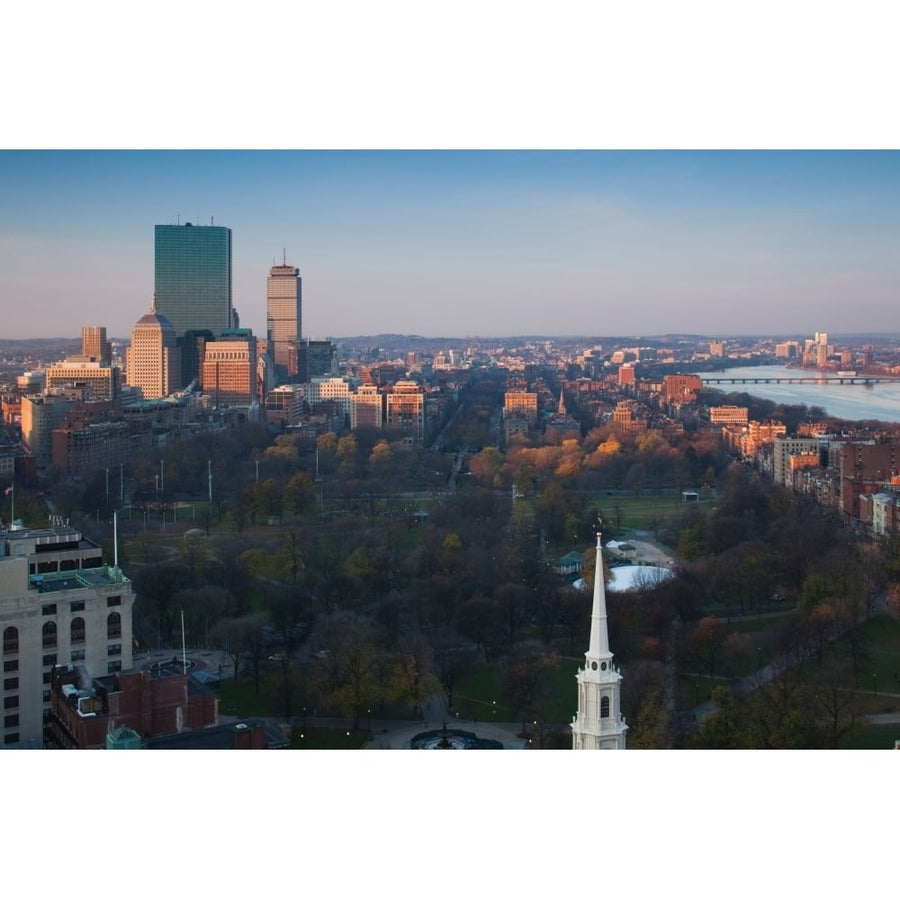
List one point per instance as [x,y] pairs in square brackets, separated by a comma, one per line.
[193,277]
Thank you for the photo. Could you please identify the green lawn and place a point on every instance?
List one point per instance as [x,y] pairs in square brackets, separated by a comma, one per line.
[872,737]
[648,512]
[475,695]
[328,739]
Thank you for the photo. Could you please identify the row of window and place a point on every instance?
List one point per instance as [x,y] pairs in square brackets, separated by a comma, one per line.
[49,633]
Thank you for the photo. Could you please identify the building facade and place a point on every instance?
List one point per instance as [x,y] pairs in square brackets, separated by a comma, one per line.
[94,344]
[229,373]
[89,377]
[405,411]
[58,605]
[153,361]
[283,318]
[192,281]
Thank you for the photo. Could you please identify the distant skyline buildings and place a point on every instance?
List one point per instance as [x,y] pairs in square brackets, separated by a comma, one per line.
[477,243]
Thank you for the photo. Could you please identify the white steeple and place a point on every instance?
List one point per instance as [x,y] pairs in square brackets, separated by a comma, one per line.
[599,724]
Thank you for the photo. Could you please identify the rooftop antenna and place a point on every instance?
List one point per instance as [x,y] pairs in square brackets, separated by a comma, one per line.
[283,255]
[178,218]
[212,221]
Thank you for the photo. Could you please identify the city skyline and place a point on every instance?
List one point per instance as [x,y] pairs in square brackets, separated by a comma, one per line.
[467,243]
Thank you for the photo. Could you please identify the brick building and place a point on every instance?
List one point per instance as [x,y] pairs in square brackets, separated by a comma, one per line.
[156,702]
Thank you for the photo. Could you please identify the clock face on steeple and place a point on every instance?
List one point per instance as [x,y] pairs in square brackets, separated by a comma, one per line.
[603,666]
[594,666]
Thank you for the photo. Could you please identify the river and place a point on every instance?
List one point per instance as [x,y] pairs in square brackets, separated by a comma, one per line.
[845,401]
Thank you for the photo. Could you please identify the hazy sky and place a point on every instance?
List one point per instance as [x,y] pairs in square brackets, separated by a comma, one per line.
[456,243]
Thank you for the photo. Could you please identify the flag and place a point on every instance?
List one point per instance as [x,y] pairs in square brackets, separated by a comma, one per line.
[8,490]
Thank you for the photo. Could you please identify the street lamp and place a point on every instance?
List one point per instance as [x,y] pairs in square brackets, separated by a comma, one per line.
[494,711]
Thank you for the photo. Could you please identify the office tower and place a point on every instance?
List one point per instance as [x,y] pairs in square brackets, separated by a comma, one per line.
[283,310]
[316,358]
[95,345]
[193,277]
[85,376]
[153,361]
[59,605]
[229,369]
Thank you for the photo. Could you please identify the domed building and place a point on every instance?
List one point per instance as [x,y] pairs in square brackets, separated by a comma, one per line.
[153,361]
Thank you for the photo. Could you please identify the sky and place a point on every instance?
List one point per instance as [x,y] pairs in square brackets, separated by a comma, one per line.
[467,242]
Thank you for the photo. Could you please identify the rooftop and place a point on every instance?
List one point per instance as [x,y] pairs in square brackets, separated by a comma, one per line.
[52,582]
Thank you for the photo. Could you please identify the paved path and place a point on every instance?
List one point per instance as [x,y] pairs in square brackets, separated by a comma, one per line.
[397,735]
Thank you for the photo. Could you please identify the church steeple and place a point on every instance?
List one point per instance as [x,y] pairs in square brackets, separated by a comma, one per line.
[562,404]
[599,724]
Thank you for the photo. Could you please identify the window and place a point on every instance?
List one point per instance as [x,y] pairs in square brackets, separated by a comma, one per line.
[11,665]
[115,666]
[49,659]
[77,630]
[11,702]
[46,696]
[47,676]
[113,625]
[11,739]
[48,635]
[113,601]
[11,721]
[77,655]
[48,609]
[114,650]
[77,606]
[10,640]
[10,684]
[604,707]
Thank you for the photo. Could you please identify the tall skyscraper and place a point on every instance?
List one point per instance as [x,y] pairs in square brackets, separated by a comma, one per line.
[283,308]
[193,277]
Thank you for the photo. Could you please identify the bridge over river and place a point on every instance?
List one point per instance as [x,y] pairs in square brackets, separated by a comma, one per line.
[801,379]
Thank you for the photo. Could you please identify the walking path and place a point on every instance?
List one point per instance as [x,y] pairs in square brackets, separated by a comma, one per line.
[397,735]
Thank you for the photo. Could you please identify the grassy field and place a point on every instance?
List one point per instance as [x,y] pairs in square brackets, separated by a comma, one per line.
[872,737]
[478,695]
[648,512]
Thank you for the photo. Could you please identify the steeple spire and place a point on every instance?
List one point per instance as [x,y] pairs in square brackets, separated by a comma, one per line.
[599,724]
[599,644]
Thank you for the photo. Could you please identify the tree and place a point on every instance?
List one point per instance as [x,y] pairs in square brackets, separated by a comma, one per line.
[644,696]
[411,675]
[525,675]
[240,637]
[347,662]
[480,620]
